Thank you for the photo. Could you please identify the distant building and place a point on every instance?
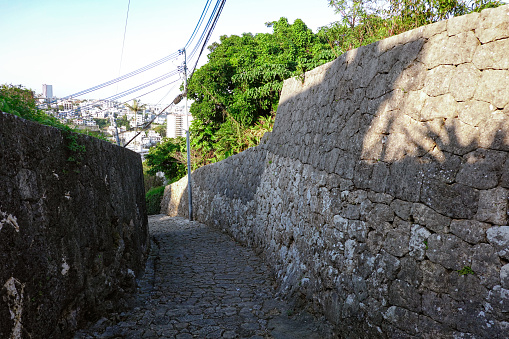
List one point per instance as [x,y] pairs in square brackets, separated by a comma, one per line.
[47,92]
[176,123]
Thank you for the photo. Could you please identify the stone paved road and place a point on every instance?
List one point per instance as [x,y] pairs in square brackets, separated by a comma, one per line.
[199,283]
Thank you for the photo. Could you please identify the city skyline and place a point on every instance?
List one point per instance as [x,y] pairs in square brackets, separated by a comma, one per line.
[75,46]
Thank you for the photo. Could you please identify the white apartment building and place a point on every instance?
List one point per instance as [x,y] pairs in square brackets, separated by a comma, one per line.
[47,92]
[176,123]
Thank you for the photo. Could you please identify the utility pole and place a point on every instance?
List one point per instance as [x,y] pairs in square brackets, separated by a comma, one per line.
[190,195]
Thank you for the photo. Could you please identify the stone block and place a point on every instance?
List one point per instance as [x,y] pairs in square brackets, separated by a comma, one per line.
[380,176]
[475,113]
[432,329]
[27,185]
[405,180]
[498,297]
[494,132]
[443,166]
[439,107]
[504,276]
[504,180]
[410,272]
[493,206]
[402,208]
[461,24]
[498,236]
[472,231]
[378,215]
[423,215]
[485,264]
[396,240]
[438,80]
[388,266]
[492,55]
[375,240]
[454,50]
[380,198]
[463,81]
[434,277]
[455,201]
[412,78]
[405,295]
[367,72]
[440,307]
[380,85]
[434,29]
[402,318]
[493,24]
[388,58]
[449,251]
[418,242]
[444,133]
[363,172]
[466,287]
[481,169]
[493,86]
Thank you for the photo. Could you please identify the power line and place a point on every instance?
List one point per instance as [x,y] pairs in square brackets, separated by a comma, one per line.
[123,41]
[152,65]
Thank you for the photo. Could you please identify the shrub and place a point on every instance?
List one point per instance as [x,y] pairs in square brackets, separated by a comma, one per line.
[153,199]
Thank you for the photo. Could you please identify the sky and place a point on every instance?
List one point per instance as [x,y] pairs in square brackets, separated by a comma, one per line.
[74,45]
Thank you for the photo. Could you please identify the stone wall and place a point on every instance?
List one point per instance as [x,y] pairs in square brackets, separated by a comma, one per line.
[73,228]
[381,196]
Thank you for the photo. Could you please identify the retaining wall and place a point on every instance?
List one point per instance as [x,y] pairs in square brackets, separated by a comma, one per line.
[381,196]
[73,229]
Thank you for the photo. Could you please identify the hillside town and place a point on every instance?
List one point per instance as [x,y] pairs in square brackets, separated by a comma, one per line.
[138,130]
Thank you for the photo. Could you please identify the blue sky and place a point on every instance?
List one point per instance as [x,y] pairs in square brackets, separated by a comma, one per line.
[74,45]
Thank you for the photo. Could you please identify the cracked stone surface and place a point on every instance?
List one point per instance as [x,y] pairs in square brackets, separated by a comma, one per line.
[199,283]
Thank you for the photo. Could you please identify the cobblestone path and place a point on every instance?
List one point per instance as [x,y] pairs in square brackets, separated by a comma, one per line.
[199,283]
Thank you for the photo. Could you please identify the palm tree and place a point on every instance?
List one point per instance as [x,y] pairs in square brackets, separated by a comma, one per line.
[135,108]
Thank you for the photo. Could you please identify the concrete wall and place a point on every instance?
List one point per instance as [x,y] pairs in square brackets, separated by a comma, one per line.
[381,196]
[73,228]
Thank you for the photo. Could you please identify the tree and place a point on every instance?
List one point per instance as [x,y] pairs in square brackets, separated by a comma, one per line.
[101,122]
[366,21]
[161,129]
[17,100]
[136,107]
[123,121]
[242,81]
[164,158]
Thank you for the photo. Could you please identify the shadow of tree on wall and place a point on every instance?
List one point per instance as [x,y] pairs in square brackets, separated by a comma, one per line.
[421,117]
[409,118]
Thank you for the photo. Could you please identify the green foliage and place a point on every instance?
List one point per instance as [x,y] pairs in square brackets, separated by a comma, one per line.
[102,122]
[161,129]
[237,92]
[167,157]
[150,180]
[136,107]
[122,121]
[153,200]
[466,270]
[17,100]
[366,21]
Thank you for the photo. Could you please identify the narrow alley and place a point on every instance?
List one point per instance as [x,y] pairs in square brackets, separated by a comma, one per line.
[199,283]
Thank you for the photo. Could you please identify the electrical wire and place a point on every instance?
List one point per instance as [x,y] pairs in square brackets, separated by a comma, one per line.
[123,41]
[201,43]
[149,66]
[207,38]
[200,21]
